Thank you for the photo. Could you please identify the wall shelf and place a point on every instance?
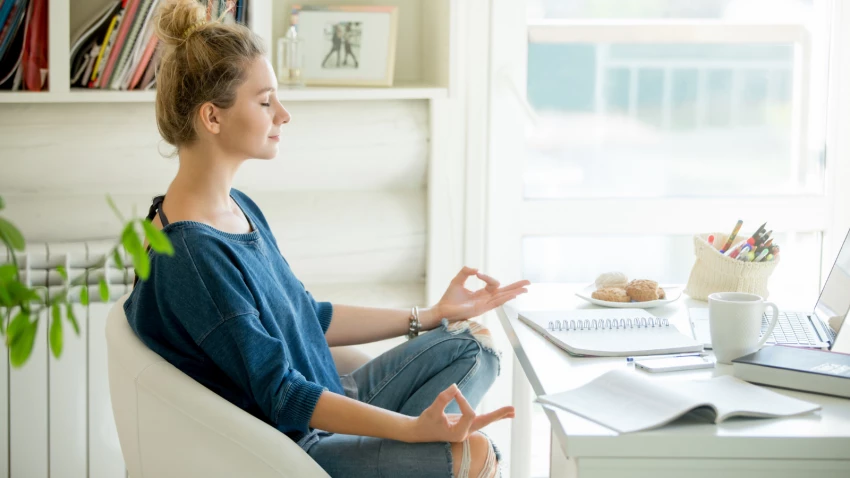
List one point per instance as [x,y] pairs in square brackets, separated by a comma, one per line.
[421,66]
[314,93]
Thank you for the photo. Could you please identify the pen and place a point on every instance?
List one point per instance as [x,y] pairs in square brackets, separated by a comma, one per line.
[732,236]
[761,239]
[742,250]
[736,247]
[641,357]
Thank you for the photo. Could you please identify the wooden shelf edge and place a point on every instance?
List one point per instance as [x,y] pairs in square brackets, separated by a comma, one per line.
[314,93]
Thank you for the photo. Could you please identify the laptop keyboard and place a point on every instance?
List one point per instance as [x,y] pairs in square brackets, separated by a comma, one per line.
[791,328]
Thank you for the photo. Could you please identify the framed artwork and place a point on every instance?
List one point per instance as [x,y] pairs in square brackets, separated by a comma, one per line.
[347,45]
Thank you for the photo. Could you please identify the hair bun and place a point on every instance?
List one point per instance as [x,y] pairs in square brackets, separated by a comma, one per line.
[177,19]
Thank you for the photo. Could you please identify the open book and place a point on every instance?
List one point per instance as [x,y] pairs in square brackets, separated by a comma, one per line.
[626,401]
[610,332]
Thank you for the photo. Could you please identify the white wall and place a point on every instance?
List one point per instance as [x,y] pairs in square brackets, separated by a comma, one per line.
[346,197]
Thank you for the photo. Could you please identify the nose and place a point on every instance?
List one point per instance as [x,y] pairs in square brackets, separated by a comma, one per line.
[282,116]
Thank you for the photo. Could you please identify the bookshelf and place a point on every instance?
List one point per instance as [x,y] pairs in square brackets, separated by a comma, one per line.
[421,68]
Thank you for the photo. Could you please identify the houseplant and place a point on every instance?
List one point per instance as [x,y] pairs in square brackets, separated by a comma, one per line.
[20,304]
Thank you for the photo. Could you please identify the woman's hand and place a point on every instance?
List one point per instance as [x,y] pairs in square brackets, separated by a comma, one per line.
[460,303]
[435,425]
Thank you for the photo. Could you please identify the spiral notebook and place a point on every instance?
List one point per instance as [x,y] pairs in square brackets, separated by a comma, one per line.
[610,332]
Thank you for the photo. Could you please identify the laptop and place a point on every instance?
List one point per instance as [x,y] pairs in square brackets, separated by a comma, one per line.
[813,329]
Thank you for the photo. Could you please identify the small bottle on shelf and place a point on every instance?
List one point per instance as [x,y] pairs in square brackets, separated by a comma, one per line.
[290,59]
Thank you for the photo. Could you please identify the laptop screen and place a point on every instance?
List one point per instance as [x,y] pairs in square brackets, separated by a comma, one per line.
[834,300]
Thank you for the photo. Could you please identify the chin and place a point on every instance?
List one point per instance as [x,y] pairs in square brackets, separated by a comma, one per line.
[267,153]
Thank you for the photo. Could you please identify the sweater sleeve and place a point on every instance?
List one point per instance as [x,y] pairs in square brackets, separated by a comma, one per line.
[259,364]
[324,311]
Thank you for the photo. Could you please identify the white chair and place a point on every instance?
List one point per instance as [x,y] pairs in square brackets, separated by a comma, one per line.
[170,425]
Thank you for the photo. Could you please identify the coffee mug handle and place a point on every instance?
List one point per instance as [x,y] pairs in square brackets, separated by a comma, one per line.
[772,324]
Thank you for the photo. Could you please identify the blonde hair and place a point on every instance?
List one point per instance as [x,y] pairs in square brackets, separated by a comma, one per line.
[202,61]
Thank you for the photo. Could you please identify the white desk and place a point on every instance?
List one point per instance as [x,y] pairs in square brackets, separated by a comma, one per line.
[816,444]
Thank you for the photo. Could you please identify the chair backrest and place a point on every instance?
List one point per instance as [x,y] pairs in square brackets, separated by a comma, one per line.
[170,425]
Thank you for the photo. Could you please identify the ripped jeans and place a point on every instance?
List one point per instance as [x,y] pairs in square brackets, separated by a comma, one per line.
[407,379]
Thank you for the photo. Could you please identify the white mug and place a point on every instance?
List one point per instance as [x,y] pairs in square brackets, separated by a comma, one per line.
[735,322]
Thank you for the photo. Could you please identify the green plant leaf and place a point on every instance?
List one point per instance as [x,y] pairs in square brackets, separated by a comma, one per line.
[143,265]
[115,208]
[131,242]
[5,298]
[84,295]
[62,272]
[129,239]
[21,346]
[18,324]
[21,293]
[8,272]
[133,245]
[116,257]
[12,235]
[56,331]
[104,291]
[2,203]
[158,240]
[69,311]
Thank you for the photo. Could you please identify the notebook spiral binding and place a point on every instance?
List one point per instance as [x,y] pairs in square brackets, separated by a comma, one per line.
[601,324]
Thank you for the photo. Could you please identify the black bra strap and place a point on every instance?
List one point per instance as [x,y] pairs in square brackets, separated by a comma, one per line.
[155,207]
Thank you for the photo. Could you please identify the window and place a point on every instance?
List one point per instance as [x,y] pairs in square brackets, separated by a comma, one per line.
[619,129]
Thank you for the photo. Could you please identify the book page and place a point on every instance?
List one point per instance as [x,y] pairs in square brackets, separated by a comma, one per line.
[624,401]
[734,397]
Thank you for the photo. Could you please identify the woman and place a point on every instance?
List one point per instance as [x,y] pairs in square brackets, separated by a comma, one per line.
[349,49]
[336,43]
[227,310]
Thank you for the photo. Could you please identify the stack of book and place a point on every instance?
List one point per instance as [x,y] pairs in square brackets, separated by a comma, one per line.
[117,50]
[23,45]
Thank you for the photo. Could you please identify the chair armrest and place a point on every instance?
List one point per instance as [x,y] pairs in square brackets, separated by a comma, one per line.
[183,425]
[348,358]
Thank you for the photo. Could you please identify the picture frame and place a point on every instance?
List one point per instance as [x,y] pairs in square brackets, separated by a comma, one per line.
[347,45]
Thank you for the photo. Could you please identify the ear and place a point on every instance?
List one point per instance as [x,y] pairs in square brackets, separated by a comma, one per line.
[210,117]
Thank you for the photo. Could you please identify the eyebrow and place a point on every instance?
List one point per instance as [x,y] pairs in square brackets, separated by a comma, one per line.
[266,90]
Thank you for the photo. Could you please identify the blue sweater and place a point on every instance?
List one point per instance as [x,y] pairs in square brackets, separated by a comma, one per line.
[227,310]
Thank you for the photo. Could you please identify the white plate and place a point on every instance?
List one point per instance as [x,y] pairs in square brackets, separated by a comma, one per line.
[672,294]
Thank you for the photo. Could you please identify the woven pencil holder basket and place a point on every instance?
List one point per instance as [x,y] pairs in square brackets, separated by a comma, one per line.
[714,272]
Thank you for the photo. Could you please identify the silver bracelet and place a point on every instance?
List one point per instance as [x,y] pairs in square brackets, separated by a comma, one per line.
[414,326]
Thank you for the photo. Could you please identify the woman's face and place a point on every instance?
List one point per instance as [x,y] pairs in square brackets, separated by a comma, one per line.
[251,127]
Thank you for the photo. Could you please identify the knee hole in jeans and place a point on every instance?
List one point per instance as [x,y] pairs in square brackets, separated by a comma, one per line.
[474,458]
[479,332]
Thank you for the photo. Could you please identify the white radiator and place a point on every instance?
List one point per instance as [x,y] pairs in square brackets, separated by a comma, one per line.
[56,413]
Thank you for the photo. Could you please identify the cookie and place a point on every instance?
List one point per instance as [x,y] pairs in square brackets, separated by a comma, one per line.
[661,293]
[611,279]
[611,294]
[642,290]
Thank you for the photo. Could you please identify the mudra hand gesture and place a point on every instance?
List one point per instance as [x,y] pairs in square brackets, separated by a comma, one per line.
[460,303]
[434,424]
